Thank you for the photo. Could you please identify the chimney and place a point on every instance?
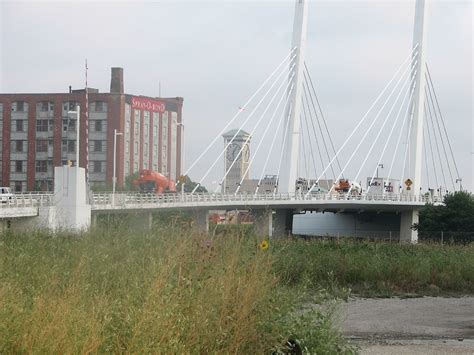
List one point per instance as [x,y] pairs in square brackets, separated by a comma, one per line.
[116,81]
[70,89]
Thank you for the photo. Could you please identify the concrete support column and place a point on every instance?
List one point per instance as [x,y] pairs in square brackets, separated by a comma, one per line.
[407,219]
[201,220]
[282,223]
[263,222]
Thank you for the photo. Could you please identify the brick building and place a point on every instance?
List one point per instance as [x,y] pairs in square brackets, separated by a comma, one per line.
[37,134]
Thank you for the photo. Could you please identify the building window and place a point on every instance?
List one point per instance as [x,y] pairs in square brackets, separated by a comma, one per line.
[42,126]
[136,148]
[98,125]
[98,166]
[71,146]
[99,106]
[136,127]
[19,126]
[97,146]
[145,165]
[127,167]
[41,166]
[17,146]
[18,106]
[135,167]
[127,147]
[44,106]
[17,186]
[18,166]
[42,146]
[145,147]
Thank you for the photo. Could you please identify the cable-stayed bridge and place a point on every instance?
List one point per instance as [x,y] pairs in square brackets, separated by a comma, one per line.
[403,132]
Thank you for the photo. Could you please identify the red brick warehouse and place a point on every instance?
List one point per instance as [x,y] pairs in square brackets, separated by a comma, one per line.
[38,134]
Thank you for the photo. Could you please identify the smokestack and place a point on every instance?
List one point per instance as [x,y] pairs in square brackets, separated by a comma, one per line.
[70,89]
[116,81]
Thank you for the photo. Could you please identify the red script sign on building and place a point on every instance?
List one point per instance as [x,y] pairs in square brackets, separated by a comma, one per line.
[139,103]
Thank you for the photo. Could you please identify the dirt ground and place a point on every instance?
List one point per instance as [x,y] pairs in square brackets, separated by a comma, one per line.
[427,325]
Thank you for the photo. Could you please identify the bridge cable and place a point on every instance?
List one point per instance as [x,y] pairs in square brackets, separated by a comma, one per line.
[407,147]
[306,106]
[253,130]
[309,138]
[274,137]
[409,93]
[322,115]
[436,141]
[440,132]
[243,124]
[428,131]
[403,88]
[289,89]
[371,126]
[283,148]
[303,148]
[365,116]
[219,135]
[426,158]
[442,120]
[405,120]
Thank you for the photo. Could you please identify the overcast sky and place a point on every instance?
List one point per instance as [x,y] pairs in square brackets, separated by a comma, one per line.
[215,54]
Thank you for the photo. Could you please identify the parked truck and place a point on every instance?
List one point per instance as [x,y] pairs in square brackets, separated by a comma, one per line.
[150,181]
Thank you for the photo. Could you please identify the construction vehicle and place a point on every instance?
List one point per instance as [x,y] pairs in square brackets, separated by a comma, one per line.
[345,186]
[150,181]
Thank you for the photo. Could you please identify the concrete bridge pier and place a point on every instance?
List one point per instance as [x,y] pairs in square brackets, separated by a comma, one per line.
[407,219]
[201,219]
[263,222]
[282,223]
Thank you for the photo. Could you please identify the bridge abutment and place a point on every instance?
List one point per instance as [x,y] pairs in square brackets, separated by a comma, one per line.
[407,219]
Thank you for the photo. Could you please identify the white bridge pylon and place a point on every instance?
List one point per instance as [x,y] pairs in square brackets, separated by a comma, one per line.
[294,145]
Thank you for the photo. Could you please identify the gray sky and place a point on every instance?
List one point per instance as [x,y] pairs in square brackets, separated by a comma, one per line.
[216,53]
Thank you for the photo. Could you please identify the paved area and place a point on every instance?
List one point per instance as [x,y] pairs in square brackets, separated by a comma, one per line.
[427,325]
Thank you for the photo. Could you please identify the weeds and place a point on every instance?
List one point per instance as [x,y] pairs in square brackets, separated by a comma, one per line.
[170,291]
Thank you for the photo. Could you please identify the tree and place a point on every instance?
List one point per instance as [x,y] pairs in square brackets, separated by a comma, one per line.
[456,215]
[189,185]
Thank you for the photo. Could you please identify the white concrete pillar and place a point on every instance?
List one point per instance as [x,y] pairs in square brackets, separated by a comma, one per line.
[201,219]
[407,234]
[282,223]
[71,212]
[263,222]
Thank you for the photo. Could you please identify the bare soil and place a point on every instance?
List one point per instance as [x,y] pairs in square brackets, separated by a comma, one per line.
[426,325]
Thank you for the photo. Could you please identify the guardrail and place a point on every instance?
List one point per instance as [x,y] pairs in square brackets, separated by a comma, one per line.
[25,200]
[123,199]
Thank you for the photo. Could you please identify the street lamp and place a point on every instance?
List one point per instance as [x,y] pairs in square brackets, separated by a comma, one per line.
[460,183]
[114,178]
[378,166]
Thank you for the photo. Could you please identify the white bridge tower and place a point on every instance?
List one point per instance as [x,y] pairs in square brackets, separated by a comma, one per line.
[416,131]
[292,140]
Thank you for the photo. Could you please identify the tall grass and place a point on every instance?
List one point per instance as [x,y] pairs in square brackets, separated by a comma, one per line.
[170,291]
[380,269]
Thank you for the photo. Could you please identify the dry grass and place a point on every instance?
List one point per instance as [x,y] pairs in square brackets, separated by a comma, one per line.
[171,291]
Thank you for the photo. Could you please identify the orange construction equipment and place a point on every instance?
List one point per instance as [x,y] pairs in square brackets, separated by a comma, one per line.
[151,181]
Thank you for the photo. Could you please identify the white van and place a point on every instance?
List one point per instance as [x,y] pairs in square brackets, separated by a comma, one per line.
[5,194]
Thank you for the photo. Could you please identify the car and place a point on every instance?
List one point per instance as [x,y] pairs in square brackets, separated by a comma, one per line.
[5,194]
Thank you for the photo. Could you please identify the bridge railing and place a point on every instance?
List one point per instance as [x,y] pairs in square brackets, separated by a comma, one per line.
[26,200]
[124,199]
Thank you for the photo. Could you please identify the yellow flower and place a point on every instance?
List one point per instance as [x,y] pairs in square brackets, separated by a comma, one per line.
[264,245]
